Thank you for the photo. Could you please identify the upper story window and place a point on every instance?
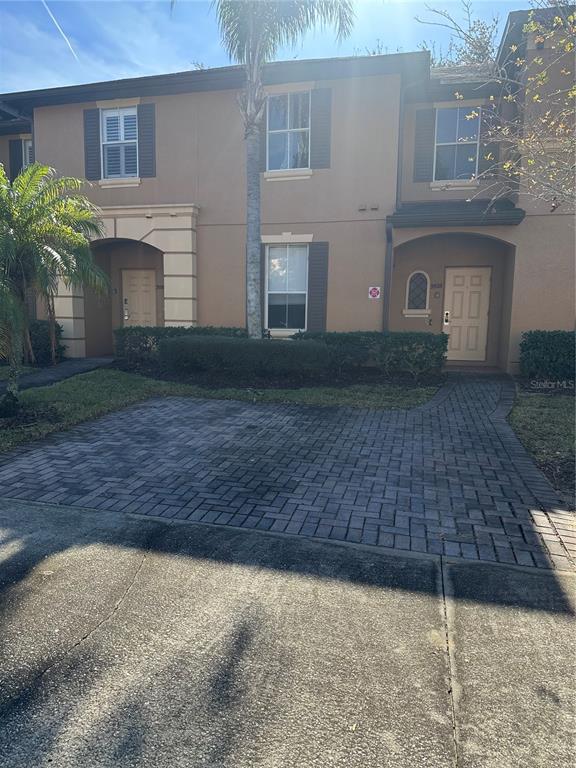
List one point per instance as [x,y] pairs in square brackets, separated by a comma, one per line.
[457,140]
[27,153]
[288,137]
[417,294]
[119,143]
[286,286]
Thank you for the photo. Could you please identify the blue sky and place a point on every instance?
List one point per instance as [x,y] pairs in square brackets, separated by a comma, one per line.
[112,39]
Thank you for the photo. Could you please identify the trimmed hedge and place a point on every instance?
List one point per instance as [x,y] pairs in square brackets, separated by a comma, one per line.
[139,344]
[40,338]
[547,355]
[413,353]
[263,358]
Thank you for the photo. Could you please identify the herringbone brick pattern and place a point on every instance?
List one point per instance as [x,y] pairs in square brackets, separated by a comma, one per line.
[447,478]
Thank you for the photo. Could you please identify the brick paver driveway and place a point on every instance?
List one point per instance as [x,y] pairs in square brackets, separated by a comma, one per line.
[446,478]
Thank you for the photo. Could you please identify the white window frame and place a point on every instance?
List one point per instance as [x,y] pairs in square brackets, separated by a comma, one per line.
[407,312]
[26,153]
[287,130]
[286,331]
[103,143]
[457,143]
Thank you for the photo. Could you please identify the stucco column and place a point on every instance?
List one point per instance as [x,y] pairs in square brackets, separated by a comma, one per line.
[69,309]
[180,278]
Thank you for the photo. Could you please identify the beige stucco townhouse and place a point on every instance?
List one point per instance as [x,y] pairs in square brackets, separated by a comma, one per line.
[371,214]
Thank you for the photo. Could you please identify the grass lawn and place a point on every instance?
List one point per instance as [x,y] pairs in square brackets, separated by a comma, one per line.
[50,409]
[545,425]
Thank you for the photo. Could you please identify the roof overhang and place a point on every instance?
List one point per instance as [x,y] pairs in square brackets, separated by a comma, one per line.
[10,127]
[413,67]
[476,213]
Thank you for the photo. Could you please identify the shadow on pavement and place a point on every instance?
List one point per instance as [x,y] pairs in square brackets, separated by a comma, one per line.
[128,642]
[35,531]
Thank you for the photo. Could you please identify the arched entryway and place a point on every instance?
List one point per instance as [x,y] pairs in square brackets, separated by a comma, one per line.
[459,283]
[136,295]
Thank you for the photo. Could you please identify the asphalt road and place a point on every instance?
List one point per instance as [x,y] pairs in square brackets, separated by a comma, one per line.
[131,642]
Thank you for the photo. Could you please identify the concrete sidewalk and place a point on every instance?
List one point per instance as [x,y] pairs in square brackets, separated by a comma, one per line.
[43,377]
[134,642]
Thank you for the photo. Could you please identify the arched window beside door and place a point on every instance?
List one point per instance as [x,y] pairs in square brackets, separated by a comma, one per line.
[417,294]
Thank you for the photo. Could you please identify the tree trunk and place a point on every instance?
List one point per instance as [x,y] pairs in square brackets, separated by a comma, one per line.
[30,356]
[14,362]
[253,257]
[52,327]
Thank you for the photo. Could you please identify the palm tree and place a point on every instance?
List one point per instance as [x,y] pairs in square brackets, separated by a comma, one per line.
[11,331]
[252,32]
[45,230]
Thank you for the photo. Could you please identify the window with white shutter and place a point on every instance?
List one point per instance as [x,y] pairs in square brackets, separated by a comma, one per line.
[27,153]
[119,143]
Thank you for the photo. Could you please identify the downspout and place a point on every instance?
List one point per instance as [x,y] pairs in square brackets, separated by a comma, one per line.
[389,253]
[400,163]
[388,268]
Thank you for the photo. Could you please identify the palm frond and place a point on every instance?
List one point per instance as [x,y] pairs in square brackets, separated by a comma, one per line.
[253,26]
[11,319]
[45,230]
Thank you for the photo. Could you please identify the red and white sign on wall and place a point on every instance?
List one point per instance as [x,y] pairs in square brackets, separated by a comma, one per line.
[374,292]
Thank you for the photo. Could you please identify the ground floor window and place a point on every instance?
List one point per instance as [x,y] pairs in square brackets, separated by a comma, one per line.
[286,286]
[417,293]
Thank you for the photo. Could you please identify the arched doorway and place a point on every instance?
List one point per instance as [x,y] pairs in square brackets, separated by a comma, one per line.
[460,284]
[136,294]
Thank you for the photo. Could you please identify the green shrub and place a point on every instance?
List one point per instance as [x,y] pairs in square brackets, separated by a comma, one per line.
[9,405]
[139,344]
[40,338]
[547,355]
[413,353]
[239,357]
[347,350]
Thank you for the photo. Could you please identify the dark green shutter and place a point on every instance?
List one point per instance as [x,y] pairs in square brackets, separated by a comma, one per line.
[263,137]
[317,286]
[92,166]
[424,131]
[15,151]
[146,141]
[320,127]
[489,151]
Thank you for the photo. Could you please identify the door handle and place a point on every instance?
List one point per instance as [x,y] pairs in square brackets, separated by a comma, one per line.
[446,317]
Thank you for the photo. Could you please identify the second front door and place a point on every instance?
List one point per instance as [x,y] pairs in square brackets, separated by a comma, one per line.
[466,305]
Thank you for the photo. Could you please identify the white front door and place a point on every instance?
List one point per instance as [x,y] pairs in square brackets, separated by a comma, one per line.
[466,305]
[139,297]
